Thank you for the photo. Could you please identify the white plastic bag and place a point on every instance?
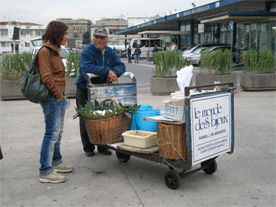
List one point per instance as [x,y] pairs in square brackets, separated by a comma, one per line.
[184,77]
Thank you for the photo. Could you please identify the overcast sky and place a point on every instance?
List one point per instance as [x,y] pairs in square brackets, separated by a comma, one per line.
[43,11]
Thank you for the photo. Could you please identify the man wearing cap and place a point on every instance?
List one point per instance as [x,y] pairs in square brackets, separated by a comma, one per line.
[99,59]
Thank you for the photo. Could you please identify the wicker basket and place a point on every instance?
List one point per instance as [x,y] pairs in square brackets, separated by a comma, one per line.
[107,131]
[171,140]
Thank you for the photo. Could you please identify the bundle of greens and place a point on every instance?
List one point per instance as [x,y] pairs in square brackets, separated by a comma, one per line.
[94,110]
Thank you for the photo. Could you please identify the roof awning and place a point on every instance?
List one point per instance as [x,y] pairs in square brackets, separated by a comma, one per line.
[237,17]
[119,38]
[163,32]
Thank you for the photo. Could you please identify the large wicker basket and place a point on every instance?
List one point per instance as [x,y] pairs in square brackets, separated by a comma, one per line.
[171,139]
[107,131]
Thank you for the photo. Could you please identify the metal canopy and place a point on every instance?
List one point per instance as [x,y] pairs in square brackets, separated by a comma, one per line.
[171,23]
[237,17]
[162,32]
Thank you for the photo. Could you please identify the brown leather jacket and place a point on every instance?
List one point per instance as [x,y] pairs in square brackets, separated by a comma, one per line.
[56,82]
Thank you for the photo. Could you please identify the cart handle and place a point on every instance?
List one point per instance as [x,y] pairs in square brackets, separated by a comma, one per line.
[187,89]
[88,76]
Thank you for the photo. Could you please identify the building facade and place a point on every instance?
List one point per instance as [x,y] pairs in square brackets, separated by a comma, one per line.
[112,25]
[115,25]
[27,32]
[245,24]
[77,27]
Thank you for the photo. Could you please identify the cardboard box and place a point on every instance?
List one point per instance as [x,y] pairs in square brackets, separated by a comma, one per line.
[140,139]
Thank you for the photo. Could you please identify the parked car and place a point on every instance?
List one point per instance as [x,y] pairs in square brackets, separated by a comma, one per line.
[63,53]
[195,57]
[193,48]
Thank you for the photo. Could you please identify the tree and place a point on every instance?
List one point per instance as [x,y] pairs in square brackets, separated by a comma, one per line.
[86,38]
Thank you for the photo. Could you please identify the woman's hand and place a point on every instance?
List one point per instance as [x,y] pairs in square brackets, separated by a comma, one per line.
[60,99]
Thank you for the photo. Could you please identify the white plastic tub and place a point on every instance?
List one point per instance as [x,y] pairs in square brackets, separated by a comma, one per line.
[140,139]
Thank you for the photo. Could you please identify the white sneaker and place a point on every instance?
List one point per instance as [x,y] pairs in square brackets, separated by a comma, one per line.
[63,168]
[53,177]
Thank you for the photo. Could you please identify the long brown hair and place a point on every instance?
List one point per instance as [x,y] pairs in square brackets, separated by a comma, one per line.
[54,32]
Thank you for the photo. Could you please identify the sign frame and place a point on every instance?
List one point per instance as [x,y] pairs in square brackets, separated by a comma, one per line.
[213,141]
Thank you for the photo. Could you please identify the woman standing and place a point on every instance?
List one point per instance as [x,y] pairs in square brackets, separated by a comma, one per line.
[52,71]
[137,53]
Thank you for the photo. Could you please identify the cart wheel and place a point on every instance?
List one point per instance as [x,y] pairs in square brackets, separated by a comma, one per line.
[211,168]
[172,179]
[122,157]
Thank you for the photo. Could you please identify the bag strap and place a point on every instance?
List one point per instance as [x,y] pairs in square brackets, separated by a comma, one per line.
[51,62]
[50,58]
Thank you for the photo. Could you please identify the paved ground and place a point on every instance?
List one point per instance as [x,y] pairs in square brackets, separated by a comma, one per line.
[245,178]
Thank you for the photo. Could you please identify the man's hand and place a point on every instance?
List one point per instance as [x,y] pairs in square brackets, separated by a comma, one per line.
[111,77]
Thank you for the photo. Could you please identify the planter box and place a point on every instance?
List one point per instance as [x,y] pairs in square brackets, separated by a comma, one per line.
[258,82]
[10,90]
[163,86]
[70,88]
[205,79]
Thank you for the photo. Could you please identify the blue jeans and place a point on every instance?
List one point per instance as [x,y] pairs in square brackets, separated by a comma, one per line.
[137,58]
[129,59]
[54,120]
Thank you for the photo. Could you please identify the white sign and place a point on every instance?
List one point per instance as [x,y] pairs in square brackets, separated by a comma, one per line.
[200,28]
[210,127]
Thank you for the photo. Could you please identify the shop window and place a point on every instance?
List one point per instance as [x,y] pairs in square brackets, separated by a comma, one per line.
[225,34]
[196,38]
[264,36]
[207,27]
[272,34]
[253,37]
[240,37]
[195,27]
[246,37]
[185,41]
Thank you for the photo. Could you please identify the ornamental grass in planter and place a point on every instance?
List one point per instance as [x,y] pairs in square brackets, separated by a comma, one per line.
[216,66]
[218,62]
[13,67]
[167,63]
[259,71]
[73,64]
[262,62]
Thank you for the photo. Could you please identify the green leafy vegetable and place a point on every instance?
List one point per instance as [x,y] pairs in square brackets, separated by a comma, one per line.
[94,110]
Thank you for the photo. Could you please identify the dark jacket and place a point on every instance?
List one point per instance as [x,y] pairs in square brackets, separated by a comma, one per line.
[155,49]
[129,51]
[137,51]
[92,61]
[56,82]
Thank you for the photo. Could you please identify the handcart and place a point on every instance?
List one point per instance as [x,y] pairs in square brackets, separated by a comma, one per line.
[206,132]
[125,93]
